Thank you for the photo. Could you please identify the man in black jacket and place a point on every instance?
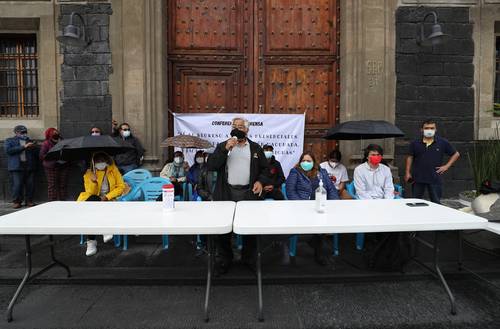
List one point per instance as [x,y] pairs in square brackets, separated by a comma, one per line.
[273,190]
[131,159]
[241,168]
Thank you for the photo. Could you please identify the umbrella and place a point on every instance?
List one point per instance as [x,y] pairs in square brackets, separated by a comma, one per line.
[186,142]
[363,129]
[82,148]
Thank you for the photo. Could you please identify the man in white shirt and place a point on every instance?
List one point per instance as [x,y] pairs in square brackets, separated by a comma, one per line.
[336,170]
[372,179]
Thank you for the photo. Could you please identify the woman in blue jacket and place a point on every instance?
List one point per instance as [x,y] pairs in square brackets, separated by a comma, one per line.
[301,184]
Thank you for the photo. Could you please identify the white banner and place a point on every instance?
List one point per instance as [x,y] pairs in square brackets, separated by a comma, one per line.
[285,132]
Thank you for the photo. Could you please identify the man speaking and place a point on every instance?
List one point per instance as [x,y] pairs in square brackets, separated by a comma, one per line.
[241,168]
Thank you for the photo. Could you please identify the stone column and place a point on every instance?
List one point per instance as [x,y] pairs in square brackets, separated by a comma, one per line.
[367,83]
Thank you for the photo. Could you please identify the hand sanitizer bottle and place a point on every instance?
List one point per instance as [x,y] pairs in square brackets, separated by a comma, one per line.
[320,197]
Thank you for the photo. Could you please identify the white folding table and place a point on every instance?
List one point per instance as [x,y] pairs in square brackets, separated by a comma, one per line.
[97,218]
[350,216]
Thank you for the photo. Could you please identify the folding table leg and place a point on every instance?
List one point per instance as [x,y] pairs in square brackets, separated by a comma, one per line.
[210,266]
[259,278]
[440,275]
[27,274]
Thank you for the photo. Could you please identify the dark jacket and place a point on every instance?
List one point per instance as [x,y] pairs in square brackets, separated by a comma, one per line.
[217,162]
[206,183]
[13,150]
[300,187]
[130,157]
[276,173]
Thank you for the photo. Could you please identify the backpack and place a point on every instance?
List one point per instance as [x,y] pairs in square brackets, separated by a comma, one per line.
[488,187]
[390,252]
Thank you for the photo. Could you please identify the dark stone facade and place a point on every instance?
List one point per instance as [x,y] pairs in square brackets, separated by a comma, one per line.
[436,83]
[85,97]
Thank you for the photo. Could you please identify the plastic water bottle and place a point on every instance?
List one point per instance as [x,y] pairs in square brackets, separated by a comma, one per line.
[168,197]
[320,197]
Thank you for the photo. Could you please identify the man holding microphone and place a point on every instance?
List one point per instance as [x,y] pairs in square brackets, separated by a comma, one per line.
[242,172]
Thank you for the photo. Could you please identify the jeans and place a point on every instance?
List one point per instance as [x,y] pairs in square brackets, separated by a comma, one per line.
[23,180]
[126,168]
[434,190]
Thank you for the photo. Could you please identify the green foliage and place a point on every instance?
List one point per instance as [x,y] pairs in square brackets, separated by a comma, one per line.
[485,160]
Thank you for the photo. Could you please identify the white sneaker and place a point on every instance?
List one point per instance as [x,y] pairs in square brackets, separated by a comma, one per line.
[106,238]
[91,247]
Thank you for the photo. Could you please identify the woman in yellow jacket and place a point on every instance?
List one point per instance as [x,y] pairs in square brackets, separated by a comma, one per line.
[103,182]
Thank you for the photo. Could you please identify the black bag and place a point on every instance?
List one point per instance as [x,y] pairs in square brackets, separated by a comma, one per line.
[390,252]
[488,187]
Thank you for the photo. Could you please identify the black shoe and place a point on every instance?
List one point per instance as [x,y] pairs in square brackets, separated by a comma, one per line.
[221,268]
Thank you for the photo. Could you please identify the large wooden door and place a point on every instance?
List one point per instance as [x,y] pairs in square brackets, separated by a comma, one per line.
[250,56]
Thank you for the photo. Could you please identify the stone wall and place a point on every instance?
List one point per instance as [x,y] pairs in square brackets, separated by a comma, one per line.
[85,99]
[436,83]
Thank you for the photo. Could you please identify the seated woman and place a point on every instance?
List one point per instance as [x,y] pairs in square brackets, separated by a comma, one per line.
[301,184]
[176,172]
[195,171]
[372,178]
[103,182]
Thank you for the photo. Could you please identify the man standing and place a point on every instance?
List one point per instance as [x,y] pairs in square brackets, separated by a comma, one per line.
[129,160]
[426,158]
[22,156]
[276,175]
[241,168]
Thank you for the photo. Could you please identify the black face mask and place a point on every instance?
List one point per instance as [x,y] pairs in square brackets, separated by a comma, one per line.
[238,134]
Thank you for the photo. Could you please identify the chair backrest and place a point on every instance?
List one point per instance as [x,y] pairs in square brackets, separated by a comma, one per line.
[151,188]
[137,176]
[283,190]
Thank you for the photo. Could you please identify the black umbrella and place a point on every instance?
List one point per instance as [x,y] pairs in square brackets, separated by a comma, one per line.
[363,129]
[82,148]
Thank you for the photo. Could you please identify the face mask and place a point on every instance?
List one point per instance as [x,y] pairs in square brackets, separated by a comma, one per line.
[96,134]
[306,165]
[178,160]
[333,164]
[375,159]
[429,133]
[238,133]
[101,165]
[24,137]
[200,160]
[126,133]
[269,154]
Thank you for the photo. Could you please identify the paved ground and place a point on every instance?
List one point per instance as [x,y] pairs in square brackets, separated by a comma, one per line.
[147,287]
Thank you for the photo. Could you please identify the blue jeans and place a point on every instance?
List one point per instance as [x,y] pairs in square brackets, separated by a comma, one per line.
[125,169]
[23,185]
[434,190]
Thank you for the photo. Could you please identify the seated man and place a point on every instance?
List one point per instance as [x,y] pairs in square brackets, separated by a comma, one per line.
[273,190]
[336,170]
[176,172]
[372,179]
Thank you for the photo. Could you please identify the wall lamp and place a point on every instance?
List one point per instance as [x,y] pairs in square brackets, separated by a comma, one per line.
[437,36]
[74,35]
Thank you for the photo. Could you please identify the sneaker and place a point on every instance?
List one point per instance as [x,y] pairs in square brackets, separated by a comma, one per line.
[91,247]
[108,237]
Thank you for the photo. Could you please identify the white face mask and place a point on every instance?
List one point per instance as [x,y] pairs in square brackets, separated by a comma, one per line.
[429,133]
[96,134]
[200,160]
[333,164]
[178,160]
[101,165]
[126,133]
[268,154]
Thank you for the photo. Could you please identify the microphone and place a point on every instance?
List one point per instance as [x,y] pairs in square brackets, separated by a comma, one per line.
[234,138]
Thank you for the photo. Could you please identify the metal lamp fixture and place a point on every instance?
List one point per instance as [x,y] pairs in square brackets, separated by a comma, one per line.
[437,36]
[74,35]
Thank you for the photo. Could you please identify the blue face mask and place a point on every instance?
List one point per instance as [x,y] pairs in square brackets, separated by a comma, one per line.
[306,165]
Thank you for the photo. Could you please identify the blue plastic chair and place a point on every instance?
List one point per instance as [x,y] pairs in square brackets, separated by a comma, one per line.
[149,190]
[360,237]
[133,178]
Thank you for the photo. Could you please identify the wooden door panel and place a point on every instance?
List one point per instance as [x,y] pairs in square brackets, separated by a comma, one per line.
[297,26]
[213,26]
[206,88]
